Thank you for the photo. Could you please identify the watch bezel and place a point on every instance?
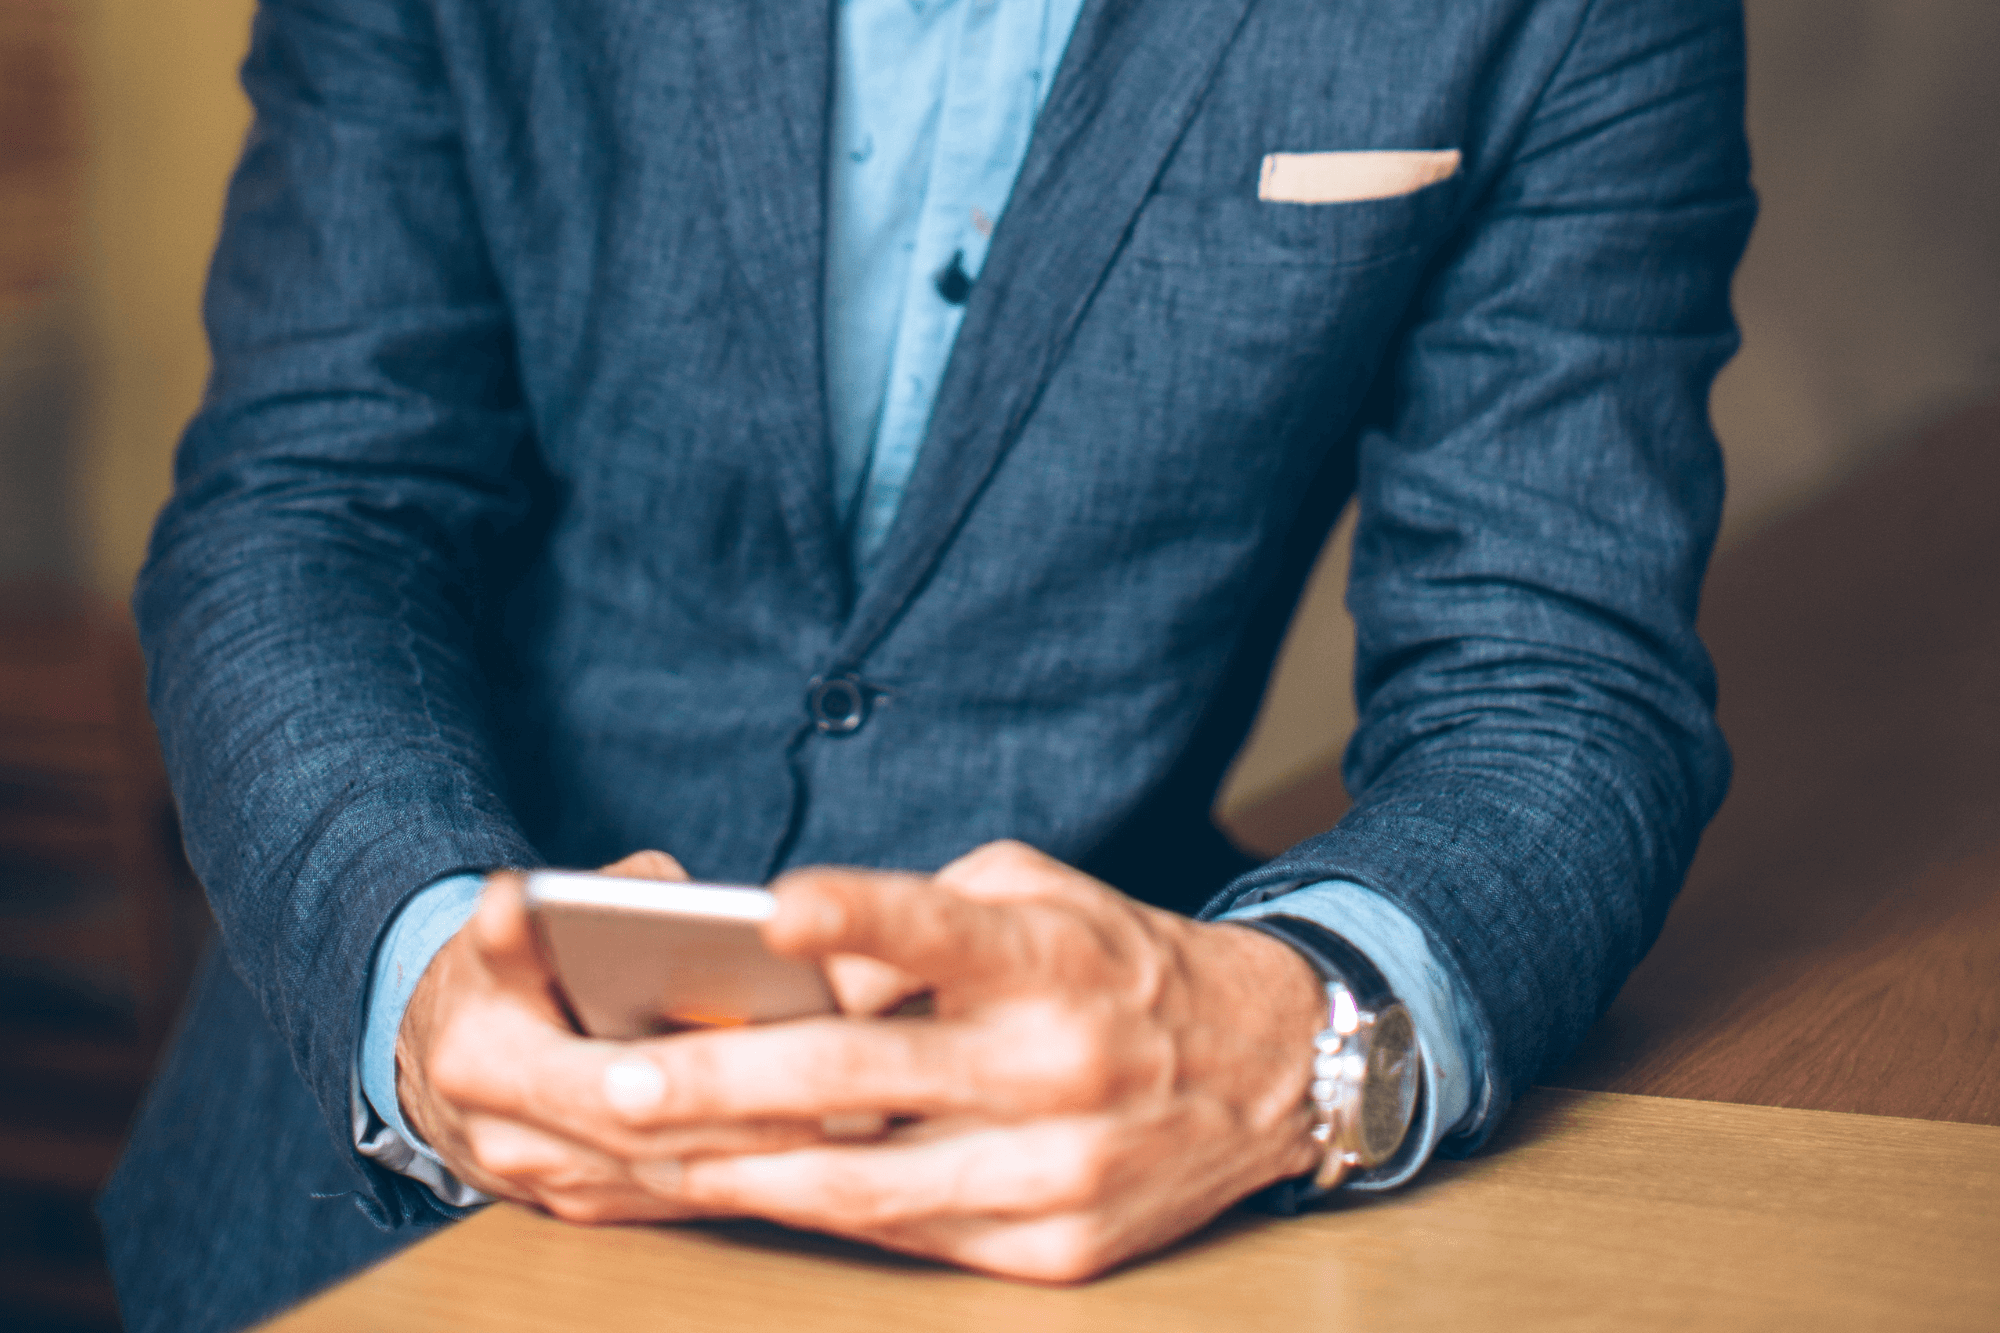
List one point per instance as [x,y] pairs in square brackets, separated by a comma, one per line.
[1365,1109]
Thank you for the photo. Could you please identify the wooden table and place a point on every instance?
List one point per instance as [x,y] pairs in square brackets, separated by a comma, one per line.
[1601,1210]
[1837,952]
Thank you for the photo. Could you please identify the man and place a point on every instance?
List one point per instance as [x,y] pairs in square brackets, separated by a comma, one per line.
[893,435]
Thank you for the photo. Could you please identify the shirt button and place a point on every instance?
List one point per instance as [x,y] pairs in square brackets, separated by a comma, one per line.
[953,283]
[838,706]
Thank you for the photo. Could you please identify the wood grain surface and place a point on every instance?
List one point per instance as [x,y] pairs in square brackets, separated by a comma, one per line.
[1598,1211]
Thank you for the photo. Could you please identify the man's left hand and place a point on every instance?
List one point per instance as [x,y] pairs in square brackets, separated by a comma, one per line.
[1097,1079]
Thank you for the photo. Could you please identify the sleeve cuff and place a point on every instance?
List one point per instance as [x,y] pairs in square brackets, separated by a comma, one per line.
[1396,945]
[419,929]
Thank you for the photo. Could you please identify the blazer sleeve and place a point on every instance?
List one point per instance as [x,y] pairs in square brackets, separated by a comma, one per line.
[309,600]
[1537,751]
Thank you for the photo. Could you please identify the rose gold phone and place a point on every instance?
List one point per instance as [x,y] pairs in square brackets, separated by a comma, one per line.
[641,957]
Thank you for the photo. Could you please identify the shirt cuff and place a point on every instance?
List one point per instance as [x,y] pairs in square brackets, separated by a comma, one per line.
[419,929]
[1391,940]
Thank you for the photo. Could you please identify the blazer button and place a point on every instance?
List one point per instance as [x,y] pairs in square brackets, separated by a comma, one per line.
[838,706]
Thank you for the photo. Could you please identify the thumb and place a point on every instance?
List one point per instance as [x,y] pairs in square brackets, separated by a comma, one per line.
[920,929]
[646,865]
[504,935]
[870,986]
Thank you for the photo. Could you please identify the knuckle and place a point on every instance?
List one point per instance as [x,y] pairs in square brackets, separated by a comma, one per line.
[505,1152]
[1066,1064]
[1006,857]
[864,1205]
[861,1202]
[1011,852]
[454,1079]
[1077,957]
[582,1210]
[830,899]
[1085,1172]
[456,1067]
[689,1066]
[491,1151]
[1069,1249]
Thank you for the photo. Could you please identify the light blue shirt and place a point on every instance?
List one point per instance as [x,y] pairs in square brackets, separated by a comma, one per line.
[934,104]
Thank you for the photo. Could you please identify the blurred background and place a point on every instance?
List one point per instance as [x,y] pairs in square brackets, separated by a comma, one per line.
[1870,303]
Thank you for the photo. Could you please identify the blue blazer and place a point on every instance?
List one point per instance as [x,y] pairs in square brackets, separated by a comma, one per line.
[505,532]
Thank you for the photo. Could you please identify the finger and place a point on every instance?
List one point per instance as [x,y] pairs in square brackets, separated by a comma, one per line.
[561,1085]
[812,1069]
[505,937]
[718,1138]
[532,1160]
[499,1156]
[1048,1166]
[1010,871]
[905,921]
[870,987]
[566,1178]
[647,865]
[1057,1248]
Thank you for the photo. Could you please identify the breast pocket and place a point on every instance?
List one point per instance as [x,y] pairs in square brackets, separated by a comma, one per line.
[1228,231]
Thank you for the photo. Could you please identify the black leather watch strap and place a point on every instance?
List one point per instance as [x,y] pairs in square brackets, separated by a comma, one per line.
[1330,955]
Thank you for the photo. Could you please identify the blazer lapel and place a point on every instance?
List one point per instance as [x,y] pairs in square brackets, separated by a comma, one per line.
[1129,83]
[767,66]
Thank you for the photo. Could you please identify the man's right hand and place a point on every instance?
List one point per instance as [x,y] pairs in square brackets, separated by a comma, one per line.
[492,1077]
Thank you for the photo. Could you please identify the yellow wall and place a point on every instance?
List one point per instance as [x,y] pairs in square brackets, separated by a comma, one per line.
[41,158]
[166,118]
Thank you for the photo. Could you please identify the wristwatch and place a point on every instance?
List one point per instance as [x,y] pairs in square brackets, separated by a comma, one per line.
[1367,1069]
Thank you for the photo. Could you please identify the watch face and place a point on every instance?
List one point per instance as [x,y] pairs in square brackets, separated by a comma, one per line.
[1389,1095]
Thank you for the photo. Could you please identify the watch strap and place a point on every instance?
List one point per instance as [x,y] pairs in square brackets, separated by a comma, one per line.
[1330,955]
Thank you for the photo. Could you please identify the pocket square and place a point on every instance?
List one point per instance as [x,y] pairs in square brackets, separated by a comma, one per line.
[1345,178]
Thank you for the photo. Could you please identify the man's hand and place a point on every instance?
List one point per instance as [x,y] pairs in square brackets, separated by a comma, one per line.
[492,1077]
[1097,1079]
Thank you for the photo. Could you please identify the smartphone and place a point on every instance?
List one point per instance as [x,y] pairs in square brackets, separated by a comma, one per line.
[643,957]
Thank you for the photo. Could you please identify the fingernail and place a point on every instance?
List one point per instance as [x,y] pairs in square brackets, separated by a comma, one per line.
[634,1087]
[853,1125]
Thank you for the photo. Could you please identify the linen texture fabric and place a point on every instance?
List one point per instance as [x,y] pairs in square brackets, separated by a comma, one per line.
[505,532]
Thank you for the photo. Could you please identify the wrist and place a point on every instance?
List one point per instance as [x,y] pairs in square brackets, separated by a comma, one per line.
[1424,978]
[411,943]
[1367,1067]
[413,1042]
[1261,1009]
